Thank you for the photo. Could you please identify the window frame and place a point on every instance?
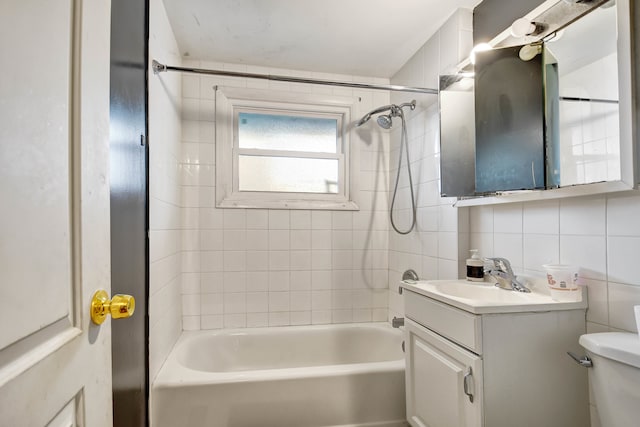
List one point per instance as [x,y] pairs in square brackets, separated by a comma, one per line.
[230,102]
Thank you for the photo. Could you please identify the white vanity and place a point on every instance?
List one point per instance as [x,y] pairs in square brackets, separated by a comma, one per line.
[477,355]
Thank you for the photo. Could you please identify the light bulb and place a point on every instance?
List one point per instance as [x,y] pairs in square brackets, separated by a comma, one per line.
[522,27]
[529,51]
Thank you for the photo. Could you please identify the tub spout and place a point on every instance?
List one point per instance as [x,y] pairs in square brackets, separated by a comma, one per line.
[396,322]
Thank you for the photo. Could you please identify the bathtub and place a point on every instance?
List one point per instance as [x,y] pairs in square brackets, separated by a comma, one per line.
[297,376]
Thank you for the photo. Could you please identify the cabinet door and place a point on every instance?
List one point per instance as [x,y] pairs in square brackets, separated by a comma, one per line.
[444,381]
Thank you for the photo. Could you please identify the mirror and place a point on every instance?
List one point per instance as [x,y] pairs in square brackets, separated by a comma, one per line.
[582,116]
[564,122]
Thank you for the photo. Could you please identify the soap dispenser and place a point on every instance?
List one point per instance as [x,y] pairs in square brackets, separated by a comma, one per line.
[475,267]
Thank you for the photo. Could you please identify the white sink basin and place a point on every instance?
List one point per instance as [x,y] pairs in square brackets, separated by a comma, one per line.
[484,297]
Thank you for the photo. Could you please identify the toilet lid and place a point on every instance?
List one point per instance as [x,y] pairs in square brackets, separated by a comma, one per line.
[623,347]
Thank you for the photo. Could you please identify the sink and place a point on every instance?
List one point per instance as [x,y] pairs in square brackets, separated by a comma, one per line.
[484,297]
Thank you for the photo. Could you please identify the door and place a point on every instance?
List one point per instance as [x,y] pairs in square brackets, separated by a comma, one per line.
[444,381]
[55,365]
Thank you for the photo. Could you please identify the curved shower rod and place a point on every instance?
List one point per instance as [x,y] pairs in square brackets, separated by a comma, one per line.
[160,68]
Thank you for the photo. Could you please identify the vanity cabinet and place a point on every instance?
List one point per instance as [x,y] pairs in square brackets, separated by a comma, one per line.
[492,369]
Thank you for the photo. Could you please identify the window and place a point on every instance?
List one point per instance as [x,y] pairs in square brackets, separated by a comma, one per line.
[281,150]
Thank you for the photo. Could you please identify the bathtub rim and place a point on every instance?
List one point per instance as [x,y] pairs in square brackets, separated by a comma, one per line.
[173,374]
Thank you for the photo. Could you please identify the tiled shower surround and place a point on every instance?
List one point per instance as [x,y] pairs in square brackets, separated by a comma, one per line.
[258,267]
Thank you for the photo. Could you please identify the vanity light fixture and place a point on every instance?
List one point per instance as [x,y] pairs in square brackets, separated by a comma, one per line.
[480,47]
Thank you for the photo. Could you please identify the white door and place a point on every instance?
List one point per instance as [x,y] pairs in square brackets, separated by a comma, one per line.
[443,383]
[55,365]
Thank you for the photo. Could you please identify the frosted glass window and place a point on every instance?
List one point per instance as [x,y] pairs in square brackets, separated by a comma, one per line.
[287,132]
[288,174]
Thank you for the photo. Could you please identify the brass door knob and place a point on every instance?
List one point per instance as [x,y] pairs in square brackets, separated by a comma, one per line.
[120,306]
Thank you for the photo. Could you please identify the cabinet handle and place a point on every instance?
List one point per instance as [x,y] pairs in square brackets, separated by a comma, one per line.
[465,383]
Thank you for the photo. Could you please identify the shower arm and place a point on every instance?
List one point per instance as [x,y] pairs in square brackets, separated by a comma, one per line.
[391,107]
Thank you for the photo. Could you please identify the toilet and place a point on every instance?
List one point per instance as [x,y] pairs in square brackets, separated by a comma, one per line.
[615,376]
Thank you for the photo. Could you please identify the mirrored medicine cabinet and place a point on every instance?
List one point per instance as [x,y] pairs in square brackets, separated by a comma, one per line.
[543,116]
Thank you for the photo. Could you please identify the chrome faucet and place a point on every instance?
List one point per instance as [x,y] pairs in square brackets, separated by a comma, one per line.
[502,272]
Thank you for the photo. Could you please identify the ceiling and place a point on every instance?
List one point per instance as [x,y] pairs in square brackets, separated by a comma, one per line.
[359,37]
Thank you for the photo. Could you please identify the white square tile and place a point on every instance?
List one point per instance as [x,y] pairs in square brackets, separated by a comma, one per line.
[300,220]
[509,246]
[321,300]
[211,283]
[257,281]
[211,261]
[623,212]
[234,219]
[257,219]
[257,302]
[622,257]
[279,319]
[300,280]
[342,240]
[540,249]
[342,260]
[257,260]
[300,239]
[320,239]
[190,323]
[211,218]
[507,218]
[342,316]
[321,220]
[235,303]
[211,304]
[542,217]
[622,298]
[481,219]
[235,240]
[279,260]
[583,216]
[320,317]
[211,240]
[321,260]
[587,252]
[237,320]
[300,317]
[212,322]
[235,261]
[234,281]
[300,300]
[257,320]
[190,283]
[342,220]
[257,240]
[279,220]
[191,305]
[279,239]
[300,260]
[279,281]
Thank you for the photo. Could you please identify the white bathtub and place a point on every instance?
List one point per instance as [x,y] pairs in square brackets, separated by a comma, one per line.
[298,376]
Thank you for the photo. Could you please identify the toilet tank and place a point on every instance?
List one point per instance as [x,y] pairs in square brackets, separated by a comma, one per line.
[615,376]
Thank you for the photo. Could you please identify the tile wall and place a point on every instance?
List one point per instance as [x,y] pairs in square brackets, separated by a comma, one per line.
[600,234]
[258,267]
[437,247]
[164,193]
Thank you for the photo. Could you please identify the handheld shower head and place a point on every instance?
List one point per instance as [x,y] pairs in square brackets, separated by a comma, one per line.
[384,121]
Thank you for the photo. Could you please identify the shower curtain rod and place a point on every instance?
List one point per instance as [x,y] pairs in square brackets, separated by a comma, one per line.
[160,68]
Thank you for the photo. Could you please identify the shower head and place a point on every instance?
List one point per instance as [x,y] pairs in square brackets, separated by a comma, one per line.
[395,112]
[367,116]
[384,121]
